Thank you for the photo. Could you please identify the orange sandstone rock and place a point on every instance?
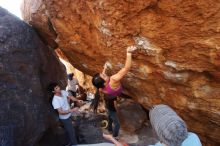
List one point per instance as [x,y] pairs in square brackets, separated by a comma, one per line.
[179,60]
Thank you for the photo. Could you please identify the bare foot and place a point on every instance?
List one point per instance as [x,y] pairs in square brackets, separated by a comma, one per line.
[108,137]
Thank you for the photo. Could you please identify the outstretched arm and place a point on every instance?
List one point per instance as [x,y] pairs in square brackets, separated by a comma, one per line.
[64,112]
[106,65]
[75,99]
[118,76]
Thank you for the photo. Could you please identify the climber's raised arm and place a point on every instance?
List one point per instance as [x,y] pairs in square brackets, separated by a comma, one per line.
[104,69]
[118,76]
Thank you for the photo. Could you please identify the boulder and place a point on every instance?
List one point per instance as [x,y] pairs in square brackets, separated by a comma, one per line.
[131,115]
[26,68]
[178,62]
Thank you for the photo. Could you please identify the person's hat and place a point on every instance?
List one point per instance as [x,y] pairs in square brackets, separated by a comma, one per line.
[170,128]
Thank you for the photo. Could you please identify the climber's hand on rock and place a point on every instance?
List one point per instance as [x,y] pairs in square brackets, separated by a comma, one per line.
[131,49]
[105,66]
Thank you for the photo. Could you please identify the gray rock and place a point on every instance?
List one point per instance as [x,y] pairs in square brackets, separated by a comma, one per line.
[131,116]
[26,68]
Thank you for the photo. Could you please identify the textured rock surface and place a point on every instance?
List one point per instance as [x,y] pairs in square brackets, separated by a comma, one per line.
[84,79]
[131,116]
[88,131]
[26,67]
[179,62]
[88,127]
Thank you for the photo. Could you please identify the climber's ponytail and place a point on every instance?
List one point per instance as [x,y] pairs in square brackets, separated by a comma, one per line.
[98,82]
[95,101]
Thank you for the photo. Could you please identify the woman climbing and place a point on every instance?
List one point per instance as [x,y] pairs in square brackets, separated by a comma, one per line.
[111,86]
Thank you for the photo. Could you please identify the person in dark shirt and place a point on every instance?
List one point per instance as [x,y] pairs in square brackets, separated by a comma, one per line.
[112,115]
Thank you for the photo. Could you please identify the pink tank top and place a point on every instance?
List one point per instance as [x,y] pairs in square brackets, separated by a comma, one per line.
[113,92]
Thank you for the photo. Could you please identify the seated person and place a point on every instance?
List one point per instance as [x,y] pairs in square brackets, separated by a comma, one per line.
[81,93]
[72,84]
[170,128]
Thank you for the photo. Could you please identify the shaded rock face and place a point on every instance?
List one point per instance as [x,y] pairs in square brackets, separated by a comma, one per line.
[26,67]
[131,116]
[84,79]
[135,125]
[89,127]
[179,60]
